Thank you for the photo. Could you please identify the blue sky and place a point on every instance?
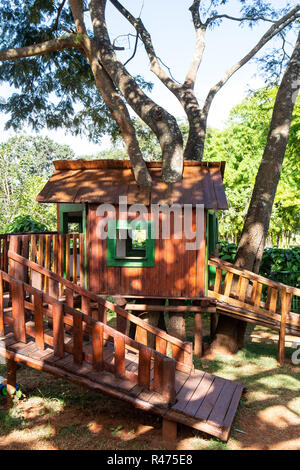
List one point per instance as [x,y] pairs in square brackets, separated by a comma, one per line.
[169,22]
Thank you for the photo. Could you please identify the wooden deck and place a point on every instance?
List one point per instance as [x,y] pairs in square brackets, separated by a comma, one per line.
[202,401]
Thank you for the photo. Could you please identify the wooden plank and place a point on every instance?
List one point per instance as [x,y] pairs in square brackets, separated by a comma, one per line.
[121,324]
[144,367]
[221,406]
[258,295]
[250,275]
[285,299]
[242,289]
[218,280]
[40,260]
[210,399]
[168,391]
[228,284]
[97,346]
[53,288]
[198,333]
[158,377]
[11,380]
[119,342]
[18,313]
[58,329]
[75,250]
[38,319]
[199,394]
[55,254]
[169,431]
[69,297]
[177,353]
[36,280]
[186,392]
[68,256]
[141,335]
[47,260]
[232,408]
[77,338]
[82,260]
[161,345]
[273,300]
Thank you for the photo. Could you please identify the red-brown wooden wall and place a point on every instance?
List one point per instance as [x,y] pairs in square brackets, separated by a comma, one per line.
[176,271]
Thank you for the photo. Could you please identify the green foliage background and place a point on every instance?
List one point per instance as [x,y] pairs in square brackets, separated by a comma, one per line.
[25,166]
[241,145]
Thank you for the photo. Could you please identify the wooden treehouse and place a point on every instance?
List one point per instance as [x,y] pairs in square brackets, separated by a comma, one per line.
[54,289]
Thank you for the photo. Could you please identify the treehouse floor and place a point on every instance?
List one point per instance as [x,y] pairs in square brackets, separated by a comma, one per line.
[203,401]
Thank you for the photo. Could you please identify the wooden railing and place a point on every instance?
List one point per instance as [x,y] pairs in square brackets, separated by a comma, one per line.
[3,252]
[256,299]
[61,254]
[96,306]
[52,322]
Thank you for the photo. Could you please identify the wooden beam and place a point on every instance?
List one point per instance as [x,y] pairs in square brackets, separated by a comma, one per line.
[11,380]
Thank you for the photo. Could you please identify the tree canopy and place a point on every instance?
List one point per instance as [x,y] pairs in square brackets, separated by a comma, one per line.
[66,71]
[25,166]
[241,145]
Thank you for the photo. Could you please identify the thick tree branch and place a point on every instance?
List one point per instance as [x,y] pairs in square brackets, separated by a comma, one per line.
[39,49]
[233,18]
[162,123]
[112,99]
[147,41]
[273,31]
[200,29]
[60,8]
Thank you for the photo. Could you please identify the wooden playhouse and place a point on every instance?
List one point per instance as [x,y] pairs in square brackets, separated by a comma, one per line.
[162,267]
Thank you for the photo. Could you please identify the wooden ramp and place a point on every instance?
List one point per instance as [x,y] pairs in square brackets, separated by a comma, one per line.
[202,400]
[154,371]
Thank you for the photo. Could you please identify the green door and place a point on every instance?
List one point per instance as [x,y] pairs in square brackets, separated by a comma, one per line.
[212,231]
[73,220]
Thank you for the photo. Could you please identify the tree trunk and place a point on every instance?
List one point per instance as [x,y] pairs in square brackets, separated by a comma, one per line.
[112,99]
[176,325]
[163,124]
[230,332]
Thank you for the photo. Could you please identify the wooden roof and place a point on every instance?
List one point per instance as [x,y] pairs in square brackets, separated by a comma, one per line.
[103,181]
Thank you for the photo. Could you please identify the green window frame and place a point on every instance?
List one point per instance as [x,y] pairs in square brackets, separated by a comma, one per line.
[66,210]
[135,257]
[212,233]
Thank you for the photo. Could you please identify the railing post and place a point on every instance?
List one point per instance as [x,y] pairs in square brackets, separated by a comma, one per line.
[58,329]
[285,308]
[18,312]
[38,319]
[164,377]
[11,380]
[1,306]
[198,335]
[168,391]
[77,338]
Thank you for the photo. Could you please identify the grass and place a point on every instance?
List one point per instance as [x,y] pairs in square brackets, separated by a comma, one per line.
[56,414]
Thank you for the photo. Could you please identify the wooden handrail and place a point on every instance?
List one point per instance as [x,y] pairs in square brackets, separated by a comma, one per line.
[224,265]
[273,311]
[182,351]
[163,381]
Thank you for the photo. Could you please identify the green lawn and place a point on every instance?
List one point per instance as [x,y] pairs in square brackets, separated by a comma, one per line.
[58,415]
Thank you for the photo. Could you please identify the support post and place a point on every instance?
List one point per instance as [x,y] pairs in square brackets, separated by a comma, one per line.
[198,335]
[213,325]
[285,308]
[11,380]
[169,430]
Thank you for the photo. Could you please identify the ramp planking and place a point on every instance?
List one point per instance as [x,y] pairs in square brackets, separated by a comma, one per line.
[203,401]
